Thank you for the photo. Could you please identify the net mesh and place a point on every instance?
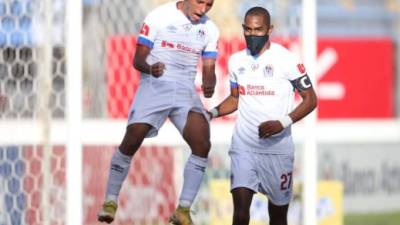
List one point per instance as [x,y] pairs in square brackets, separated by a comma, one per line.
[27,184]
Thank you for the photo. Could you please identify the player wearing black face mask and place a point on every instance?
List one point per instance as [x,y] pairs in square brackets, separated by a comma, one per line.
[263,80]
[255,43]
[256,32]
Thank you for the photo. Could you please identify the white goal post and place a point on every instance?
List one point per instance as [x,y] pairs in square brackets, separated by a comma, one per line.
[309,165]
[74,101]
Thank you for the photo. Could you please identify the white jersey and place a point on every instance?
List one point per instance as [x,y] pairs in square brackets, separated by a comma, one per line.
[177,42]
[265,93]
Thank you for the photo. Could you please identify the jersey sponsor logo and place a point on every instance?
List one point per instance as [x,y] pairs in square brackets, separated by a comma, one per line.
[145,30]
[258,90]
[242,90]
[167,44]
[301,68]
[255,90]
[268,71]
[187,49]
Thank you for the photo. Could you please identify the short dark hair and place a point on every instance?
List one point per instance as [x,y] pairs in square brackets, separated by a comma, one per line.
[259,11]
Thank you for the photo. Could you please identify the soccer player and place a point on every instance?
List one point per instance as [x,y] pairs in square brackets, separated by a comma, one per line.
[172,40]
[263,78]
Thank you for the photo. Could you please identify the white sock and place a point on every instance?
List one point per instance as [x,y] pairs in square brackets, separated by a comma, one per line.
[192,178]
[119,169]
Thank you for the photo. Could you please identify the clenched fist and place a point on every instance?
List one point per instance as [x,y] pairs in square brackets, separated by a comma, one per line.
[157,69]
[208,90]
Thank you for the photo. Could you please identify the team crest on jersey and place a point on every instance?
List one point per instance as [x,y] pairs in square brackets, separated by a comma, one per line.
[201,34]
[268,71]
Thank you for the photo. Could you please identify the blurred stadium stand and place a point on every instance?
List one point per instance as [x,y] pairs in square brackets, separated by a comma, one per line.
[368,18]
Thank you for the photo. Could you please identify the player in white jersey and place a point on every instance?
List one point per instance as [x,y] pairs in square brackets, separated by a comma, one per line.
[173,38]
[263,78]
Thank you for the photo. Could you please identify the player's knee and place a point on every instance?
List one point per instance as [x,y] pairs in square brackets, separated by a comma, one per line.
[129,147]
[201,148]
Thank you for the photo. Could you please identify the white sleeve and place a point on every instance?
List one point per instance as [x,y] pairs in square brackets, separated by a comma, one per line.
[293,67]
[148,32]
[232,76]
[211,48]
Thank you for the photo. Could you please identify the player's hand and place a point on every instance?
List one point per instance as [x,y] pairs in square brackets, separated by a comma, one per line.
[157,69]
[208,90]
[269,128]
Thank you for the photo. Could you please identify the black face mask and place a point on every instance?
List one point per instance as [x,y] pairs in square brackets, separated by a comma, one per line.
[256,43]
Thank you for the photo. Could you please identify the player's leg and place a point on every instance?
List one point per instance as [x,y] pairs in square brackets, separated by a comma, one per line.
[196,133]
[276,182]
[147,114]
[242,198]
[244,183]
[119,168]
[277,213]
[133,138]
[122,157]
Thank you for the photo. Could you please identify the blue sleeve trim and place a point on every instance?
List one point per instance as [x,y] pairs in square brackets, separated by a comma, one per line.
[210,54]
[146,42]
[234,84]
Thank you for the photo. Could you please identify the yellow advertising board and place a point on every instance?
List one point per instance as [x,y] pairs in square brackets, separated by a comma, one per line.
[330,203]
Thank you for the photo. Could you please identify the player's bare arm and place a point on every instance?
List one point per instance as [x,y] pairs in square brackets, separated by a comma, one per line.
[208,79]
[309,102]
[139,62]
[228,106]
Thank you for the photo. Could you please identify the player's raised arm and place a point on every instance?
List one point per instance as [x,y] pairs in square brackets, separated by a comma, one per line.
[209,77]
[139,62]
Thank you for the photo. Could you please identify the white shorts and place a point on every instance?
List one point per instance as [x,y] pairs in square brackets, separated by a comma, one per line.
[157,100]
[270,174]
